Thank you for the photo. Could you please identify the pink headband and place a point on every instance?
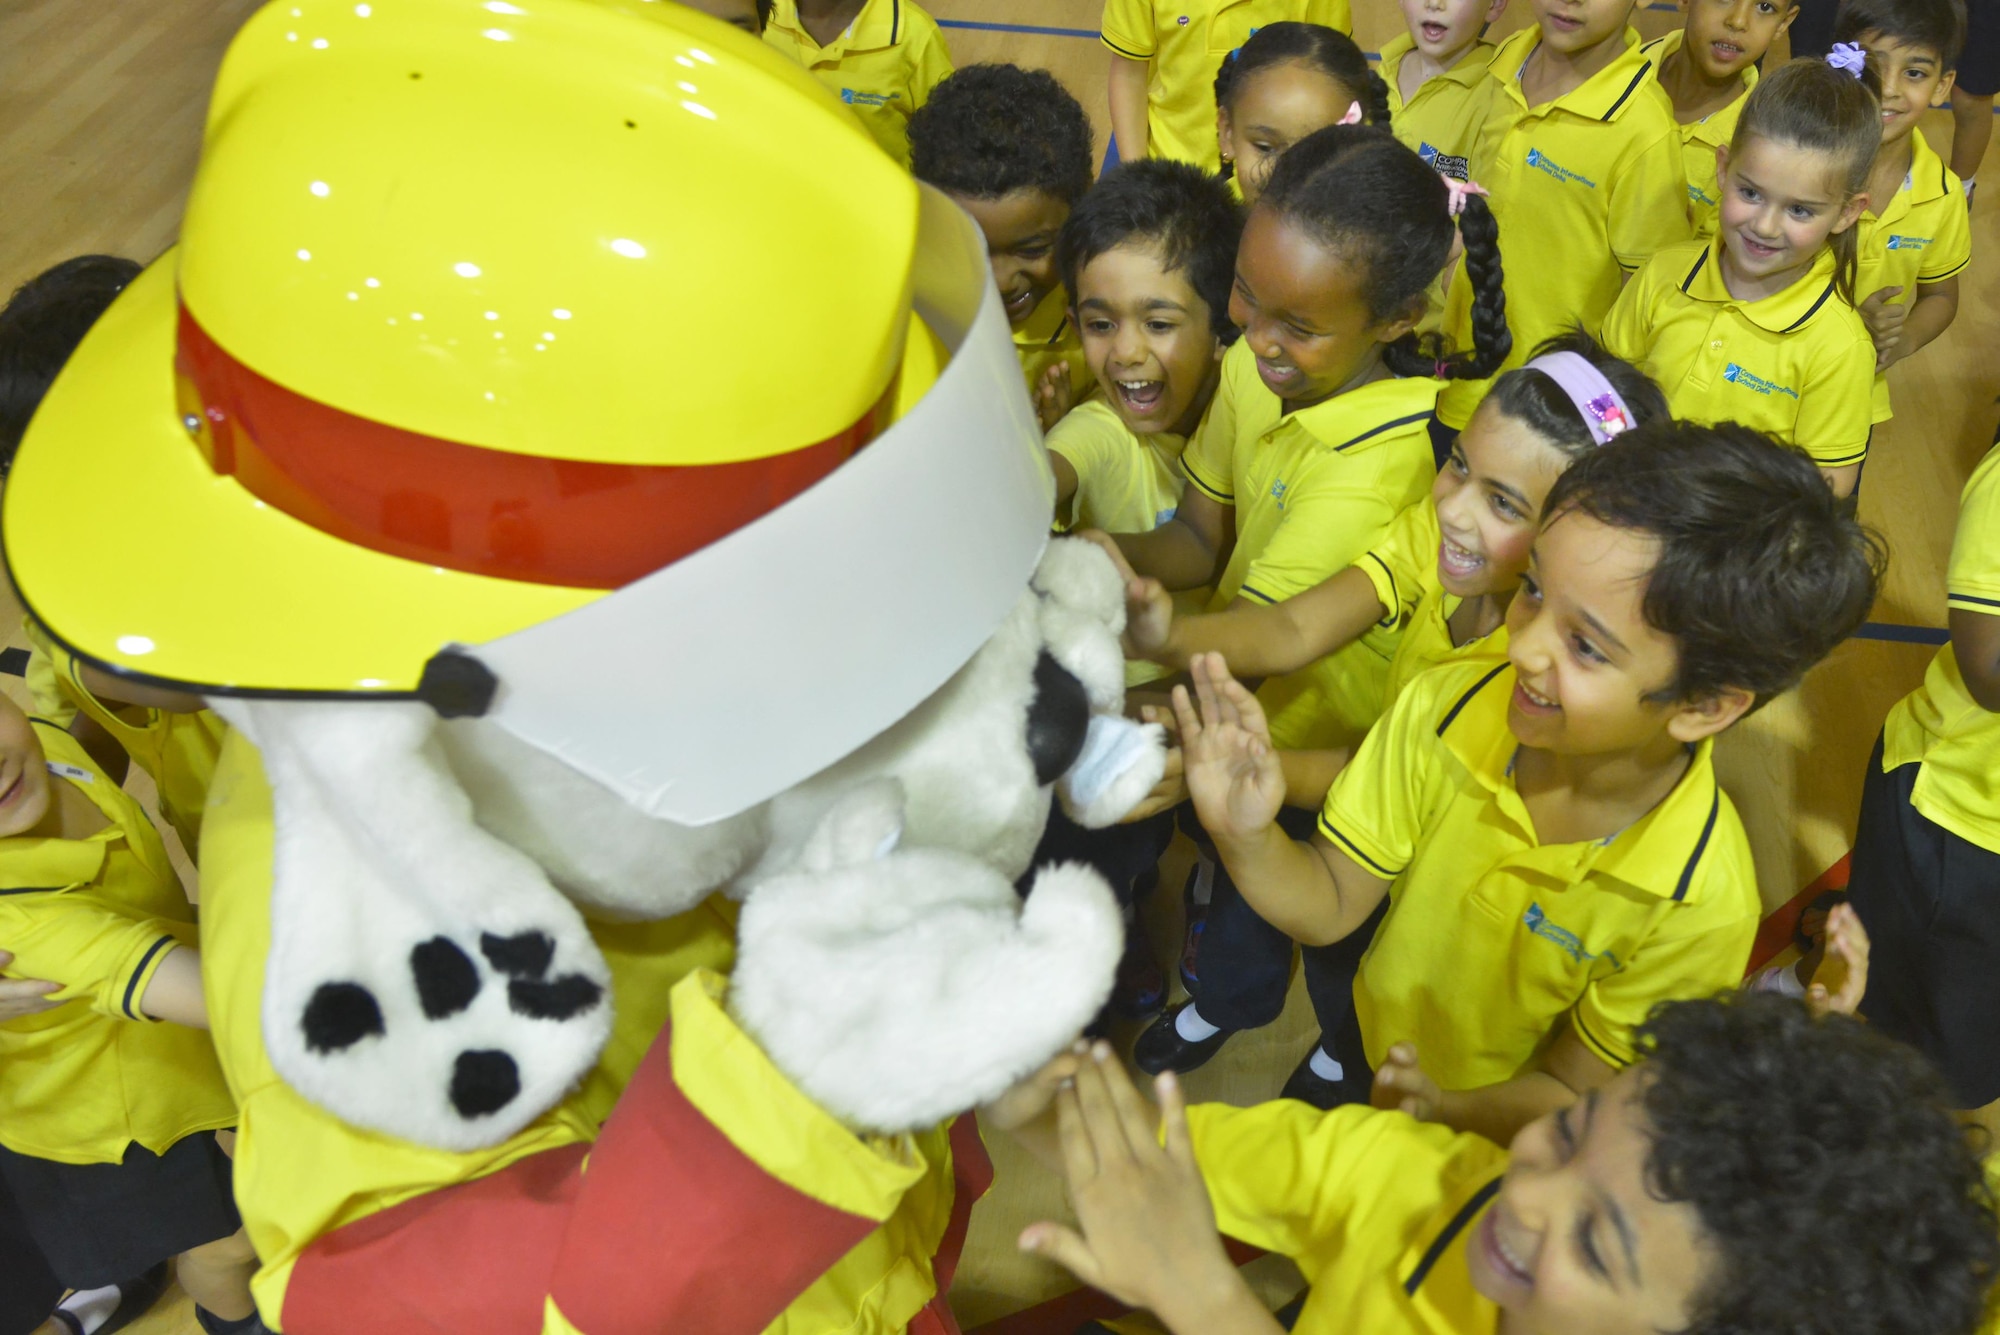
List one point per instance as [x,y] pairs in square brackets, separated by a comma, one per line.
[1600,406]
[1848,56]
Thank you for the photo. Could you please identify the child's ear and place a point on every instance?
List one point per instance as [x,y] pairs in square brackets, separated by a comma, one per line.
[1850,213]
[1942,94]
[1694,720]
[1401,323]
[1722,166]
[1785,23]
[1493,13]
[1222,131]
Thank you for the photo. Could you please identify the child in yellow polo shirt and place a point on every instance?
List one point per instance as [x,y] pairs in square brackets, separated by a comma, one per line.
[1546,835]
[1927,855]
[1758,325]
[881,57]
[1164,57]
[749,15]
[1584,161]
[1285,82]
[1758,1170]
[1012,148]
[1705,69]
[1915,238]
[1436,77]
[107,1117]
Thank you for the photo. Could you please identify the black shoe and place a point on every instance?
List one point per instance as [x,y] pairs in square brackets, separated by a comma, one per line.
[1309,1086]
[1161,1047]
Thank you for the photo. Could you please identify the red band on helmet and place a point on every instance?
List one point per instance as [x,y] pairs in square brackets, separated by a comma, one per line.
[465,507]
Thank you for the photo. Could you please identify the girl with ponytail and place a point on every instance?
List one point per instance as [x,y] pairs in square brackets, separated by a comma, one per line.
[1318,435]
[1759,325]
[1287,81]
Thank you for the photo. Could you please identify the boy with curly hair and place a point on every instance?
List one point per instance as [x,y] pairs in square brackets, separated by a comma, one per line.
[1012,148]
[1756,1170]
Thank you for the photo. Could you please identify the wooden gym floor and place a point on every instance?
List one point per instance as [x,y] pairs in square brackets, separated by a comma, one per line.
[101,106]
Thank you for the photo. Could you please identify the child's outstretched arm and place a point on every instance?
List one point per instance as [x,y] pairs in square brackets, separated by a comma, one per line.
[1148,1234]
[1188,550]
[1258,639]
[1125,89]
[174,992]
[1975,641]
[1567,1070]
[1313,892]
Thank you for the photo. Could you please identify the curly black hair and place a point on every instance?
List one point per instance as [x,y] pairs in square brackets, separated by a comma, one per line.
[1762,570]
[1937,24]
[40,327]
[1181,209]
[1837,1192]
[1544,407]
[1328,50]
[989,130]
[1356,189]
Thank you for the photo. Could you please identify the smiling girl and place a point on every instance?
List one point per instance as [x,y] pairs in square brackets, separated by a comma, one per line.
[1288,80]
[1758,326]
[1318,436]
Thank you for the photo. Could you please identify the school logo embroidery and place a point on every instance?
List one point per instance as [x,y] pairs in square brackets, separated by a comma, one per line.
[1899,242]
[855,97]
[1164,515]
[1736,375]
[1542,162]
[1278,492]
[1699,196]
[1562,938]
[1458,168]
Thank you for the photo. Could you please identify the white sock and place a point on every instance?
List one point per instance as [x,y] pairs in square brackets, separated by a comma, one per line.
[92,1307]
[1968,183]
[1325,1067]
[1190,1026]
[1204,881]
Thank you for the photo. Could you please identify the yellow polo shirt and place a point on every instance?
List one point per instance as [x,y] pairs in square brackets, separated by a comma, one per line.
[1049,336]
[1585,189]
[1923,236]
[1939,723]
[1403,569]
[177,750]
[301,1172]
[1493,937]
[1374,1207]
[1700,139]
[1442,121]
[82,1082]
[1797,364]
[883,66]
[1186,41]
[1312,491]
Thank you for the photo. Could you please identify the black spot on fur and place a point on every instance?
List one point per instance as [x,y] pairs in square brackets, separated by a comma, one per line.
[447,979]
[1057,720]
[526,955]
[339,1016]
[482,1083]
[571,994]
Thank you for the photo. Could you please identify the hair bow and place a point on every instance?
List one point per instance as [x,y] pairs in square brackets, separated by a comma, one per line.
[1353,116]
[1849,56]
[1457,192]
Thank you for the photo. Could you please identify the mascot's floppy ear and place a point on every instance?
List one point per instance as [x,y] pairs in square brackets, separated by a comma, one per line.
[424,979]
[896,988]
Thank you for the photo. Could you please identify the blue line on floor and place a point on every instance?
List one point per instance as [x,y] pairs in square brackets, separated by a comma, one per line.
[1018,27]
[1882,630]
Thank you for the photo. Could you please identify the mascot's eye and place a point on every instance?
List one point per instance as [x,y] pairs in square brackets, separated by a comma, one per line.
[1058,718]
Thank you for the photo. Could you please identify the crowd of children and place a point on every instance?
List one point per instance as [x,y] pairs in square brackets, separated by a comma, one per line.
[1478,434]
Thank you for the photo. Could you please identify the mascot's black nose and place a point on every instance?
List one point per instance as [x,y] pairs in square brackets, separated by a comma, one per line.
[1057,720]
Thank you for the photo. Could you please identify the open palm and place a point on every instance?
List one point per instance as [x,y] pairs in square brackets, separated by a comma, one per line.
[1232,772]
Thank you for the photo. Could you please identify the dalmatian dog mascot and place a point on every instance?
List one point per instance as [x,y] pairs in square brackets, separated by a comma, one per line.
[598,489]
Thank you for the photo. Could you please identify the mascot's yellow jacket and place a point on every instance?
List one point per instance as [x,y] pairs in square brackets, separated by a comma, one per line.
[715,1193]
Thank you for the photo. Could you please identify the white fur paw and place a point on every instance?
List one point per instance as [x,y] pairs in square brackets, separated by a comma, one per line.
[1121,762]
[424,980]
[1078,574]
[903,990]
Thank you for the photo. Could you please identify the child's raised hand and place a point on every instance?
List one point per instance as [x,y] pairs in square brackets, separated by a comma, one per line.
[1149,617]
[1401,1084]
[1233,773]
[1842,976]
[1030,1096]
[1884,316]
[1053,396]
[1148,1235]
